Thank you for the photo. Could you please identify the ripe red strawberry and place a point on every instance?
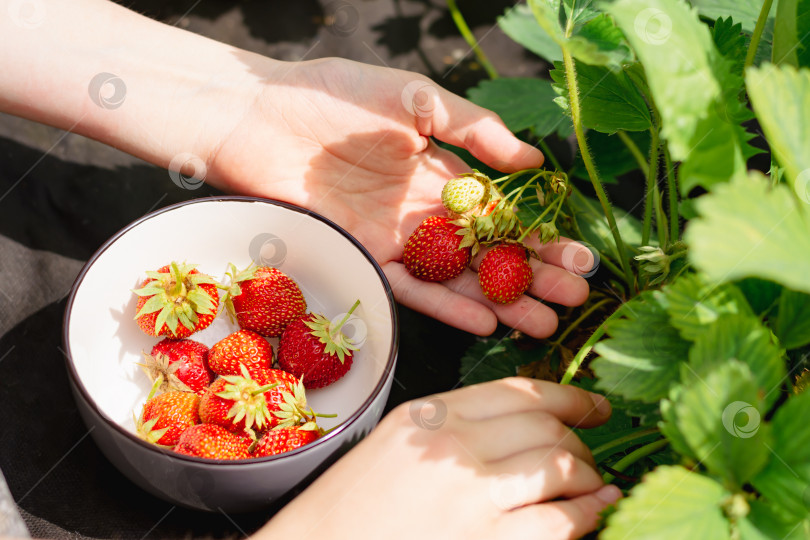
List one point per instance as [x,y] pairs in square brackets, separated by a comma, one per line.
[166,416]
[242,348]
[213,442]
[176,301]
[280,440]
[182,363]
[314,349]
[240,403]
[264,299]
[434,251]
[504,273]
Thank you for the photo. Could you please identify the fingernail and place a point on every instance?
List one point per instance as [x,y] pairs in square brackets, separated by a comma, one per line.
[609,494]
[601,403]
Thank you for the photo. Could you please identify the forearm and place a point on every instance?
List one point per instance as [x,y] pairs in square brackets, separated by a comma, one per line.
[162,84]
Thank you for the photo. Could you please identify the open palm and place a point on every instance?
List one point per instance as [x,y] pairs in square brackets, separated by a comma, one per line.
[353,143]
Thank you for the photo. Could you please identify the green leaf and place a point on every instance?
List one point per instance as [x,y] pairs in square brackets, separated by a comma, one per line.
[642,357]
[671,503]
[793,320]
[791,32]
[765,522]
[693,87]
[491,359]
[761,294]
[609,100]
[744,12]
[595,229]
[674,47]
[744,338]
[522,103]
[577,27]
[786,479]
[693,302]
[611,155]
[781,100]
[719,416]
[748,229]
[730,43]
[519,24]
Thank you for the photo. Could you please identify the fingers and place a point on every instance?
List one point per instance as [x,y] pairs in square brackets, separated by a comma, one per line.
[519,432]
[459,122]
[543,474]
[572,405]
[559,520]
[526,314]
[565,253]
[438,301]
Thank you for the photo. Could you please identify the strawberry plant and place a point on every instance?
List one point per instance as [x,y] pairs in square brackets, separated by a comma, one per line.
[698,324]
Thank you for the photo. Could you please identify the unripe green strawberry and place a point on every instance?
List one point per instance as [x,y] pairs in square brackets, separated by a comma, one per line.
[462,194]
[504,273]
[434,250]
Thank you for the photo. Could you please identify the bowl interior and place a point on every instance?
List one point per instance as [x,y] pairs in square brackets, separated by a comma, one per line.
[105,342]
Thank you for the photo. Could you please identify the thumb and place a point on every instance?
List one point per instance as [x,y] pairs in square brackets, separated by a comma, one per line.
[454,120]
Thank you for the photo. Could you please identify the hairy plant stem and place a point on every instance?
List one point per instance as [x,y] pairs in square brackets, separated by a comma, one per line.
[468,36]
[603,258]
[621,440]
[573,100]
[558,201]
[573,367]
[660,218]
[672,190]
[652,187]
[757,35]
[634,456]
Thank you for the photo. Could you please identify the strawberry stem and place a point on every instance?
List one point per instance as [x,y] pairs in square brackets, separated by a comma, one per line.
[263,389]
[539,218]
[343,321]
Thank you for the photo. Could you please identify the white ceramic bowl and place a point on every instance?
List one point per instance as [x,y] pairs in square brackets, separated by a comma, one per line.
[103,342]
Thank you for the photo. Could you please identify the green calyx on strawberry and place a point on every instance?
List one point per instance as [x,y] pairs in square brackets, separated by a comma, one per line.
[249,403]
[263,299]
[176,301]
[164,417]
[315,349]
[466,192]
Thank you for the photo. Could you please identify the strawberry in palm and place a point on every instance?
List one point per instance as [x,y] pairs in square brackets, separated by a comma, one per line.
[213,442]
[183,365]
[264,299]
[176,301]
[242,348]
[504,273]
[166,416]
[438,249]
[314,349]
[280,440]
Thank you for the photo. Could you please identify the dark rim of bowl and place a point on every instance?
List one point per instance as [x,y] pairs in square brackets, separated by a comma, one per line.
[332,434]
